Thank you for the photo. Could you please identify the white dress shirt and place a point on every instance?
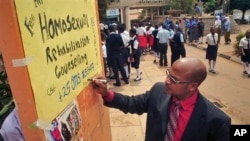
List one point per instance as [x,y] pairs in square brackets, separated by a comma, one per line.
[210,40]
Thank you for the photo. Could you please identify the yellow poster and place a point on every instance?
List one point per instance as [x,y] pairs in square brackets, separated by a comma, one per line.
[62,38]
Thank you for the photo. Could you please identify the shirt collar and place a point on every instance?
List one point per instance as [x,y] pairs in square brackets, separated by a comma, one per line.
[186,103]
[133,37]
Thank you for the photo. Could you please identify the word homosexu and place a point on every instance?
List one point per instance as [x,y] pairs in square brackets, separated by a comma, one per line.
[51,28]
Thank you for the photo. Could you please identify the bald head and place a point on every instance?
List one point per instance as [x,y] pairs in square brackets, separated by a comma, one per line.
[193,68]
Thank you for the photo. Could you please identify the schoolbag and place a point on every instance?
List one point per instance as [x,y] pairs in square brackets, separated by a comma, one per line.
[201,25]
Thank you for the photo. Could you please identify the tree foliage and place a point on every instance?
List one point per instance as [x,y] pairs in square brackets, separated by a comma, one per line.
[210,6]
[185,5]
[102,7]
[237,49]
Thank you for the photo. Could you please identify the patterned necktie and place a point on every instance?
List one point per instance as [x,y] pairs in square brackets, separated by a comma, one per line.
[214,39]
[248,46]
[172,123]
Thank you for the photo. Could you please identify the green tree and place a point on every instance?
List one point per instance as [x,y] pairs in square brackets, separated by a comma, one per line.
[186,5]
[102,7]
[210,6]
[237,49]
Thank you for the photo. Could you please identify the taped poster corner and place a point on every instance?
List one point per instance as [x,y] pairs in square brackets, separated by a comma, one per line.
[43,125]
[23,61]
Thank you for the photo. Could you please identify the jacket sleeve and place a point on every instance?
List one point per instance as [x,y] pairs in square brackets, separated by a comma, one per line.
[139,103]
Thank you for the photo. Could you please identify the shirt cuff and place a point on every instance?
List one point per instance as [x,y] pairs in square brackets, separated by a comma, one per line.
[110,97]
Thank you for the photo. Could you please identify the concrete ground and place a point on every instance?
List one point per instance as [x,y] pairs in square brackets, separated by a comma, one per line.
[131,127]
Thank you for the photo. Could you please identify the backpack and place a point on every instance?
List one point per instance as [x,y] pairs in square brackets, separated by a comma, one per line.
[201,25]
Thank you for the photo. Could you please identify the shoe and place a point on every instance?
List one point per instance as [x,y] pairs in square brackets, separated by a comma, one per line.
[213,71]
[127,82]
[244,72]
[165,65]
[210,70]
[117,84]
[111,77]
[161,65]
[127,77]
[248,75]
[137,79]
[154,61]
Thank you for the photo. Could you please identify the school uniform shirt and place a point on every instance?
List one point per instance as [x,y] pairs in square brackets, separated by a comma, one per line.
[140,31]
[136,43]
[210,40]
[244,43]
[171,33]
[104,50]
[217,22]
[11,128]
[163,36]
[125,38]
[227,25]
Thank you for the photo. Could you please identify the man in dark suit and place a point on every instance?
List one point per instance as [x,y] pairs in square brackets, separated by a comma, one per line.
[197,120]
[114,43]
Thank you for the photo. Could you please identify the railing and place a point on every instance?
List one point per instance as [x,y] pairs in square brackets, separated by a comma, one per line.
[140,1]
[135,3]
[151,1]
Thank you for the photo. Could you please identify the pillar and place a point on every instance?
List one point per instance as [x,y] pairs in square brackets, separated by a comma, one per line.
[151,14]
[126,17]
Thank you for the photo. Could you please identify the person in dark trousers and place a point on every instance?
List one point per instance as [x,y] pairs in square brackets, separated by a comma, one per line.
[172,29]
[125,50]
[227,30]
[177,100]
[115,43]
[155,44]
[201,26]
[179,48]
[163,36]
[217,25]
[245,50]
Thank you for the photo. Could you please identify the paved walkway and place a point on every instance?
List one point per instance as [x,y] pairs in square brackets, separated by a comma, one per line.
[226,51]
[131,127]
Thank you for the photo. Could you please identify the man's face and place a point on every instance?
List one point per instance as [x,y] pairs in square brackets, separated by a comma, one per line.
[248,34]
[212,30]
[177,83]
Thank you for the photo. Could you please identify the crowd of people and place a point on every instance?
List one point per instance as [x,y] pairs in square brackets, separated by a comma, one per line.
[122,49]
[174,106]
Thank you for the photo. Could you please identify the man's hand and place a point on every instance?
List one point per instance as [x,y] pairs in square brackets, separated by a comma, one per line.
[100,87]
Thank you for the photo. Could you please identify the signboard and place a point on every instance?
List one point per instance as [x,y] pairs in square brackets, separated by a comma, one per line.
[62,39]
[112,12]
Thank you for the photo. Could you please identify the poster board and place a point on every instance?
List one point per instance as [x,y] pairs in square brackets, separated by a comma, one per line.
[61,48]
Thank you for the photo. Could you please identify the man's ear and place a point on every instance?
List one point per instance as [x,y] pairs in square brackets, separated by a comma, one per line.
[194,86]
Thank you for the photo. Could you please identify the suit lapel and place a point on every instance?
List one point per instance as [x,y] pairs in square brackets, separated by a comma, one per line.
[165,103]
[196,121]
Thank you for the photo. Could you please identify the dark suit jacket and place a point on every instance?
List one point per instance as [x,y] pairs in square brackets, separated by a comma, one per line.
[207,122]
[114,43]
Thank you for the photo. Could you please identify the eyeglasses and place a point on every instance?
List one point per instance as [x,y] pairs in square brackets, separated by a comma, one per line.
[174,81]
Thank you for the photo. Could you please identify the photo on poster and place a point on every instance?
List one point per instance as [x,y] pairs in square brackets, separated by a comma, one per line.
[66,125]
